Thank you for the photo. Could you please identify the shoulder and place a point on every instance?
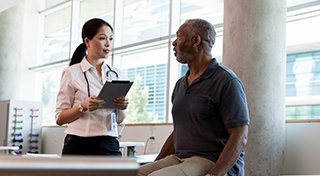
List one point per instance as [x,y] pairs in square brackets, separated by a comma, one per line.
[71,73]
[73,69]
[225,74]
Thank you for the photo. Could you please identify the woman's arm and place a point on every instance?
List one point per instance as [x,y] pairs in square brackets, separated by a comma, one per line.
[72,114]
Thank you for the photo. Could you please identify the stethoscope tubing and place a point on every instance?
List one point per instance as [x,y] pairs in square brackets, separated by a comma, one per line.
[108,72]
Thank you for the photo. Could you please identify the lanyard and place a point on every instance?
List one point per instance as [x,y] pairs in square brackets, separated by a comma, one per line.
[108,75]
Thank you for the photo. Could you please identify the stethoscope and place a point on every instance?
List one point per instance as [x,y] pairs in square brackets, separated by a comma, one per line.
[108,75]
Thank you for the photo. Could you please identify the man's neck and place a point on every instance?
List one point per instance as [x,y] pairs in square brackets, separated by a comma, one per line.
[197,68]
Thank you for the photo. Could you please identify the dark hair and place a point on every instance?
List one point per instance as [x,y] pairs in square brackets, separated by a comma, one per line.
[89,30]
[203,28]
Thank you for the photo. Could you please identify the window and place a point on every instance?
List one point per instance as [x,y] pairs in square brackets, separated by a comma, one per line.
[145,20]
[96,8]
[303,86]
[303,74]
[141,96]
[144,31]
[50,89]
[50,3]
[211,11]
[303,60]
[56,41]
[302,112]
[142,53]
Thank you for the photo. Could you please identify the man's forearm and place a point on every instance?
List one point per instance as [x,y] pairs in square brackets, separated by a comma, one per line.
[168,148]
[232,150]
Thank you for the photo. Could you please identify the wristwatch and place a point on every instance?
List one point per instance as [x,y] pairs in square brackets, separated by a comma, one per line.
[81,108]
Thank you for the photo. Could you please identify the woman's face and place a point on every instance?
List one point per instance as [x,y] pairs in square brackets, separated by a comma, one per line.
[101,44]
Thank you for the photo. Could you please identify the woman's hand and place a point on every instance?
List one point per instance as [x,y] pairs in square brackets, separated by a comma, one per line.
[121,102]
[92,103]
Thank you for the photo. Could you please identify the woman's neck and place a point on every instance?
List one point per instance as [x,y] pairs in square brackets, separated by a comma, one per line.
[96,62]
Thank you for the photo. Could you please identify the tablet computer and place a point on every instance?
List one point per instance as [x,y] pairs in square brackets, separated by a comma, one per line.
[114,89]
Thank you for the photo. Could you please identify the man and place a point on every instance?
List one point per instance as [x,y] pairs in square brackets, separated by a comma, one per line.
[210,114]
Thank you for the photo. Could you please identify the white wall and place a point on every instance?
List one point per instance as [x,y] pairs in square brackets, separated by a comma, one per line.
[53,137]
[302,153]
[142,133]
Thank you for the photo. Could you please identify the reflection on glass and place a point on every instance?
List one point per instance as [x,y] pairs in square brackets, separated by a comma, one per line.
[144,20]
[147,97]
[56,36]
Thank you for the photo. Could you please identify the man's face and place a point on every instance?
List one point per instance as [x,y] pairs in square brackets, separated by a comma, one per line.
[183,45]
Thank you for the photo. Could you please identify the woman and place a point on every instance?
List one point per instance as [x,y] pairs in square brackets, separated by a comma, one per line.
[90,131]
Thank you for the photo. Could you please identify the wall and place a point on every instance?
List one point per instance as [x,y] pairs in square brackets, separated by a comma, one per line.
[302,154]
[18,51]
[302,148]
[53,138]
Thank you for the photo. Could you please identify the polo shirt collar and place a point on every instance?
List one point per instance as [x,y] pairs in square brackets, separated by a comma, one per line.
[209,70]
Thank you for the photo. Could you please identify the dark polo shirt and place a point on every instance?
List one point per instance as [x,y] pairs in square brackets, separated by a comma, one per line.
[204,110]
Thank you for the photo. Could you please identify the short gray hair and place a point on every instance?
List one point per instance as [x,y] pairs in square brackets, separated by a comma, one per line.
[203,28]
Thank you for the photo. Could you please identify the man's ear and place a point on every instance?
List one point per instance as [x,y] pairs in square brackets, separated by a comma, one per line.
[86,41]
[196,40]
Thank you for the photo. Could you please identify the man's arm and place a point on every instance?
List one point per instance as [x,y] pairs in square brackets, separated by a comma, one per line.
[167,149]
[232,150]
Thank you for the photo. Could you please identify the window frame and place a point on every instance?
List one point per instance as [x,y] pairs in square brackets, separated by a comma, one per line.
[174,23]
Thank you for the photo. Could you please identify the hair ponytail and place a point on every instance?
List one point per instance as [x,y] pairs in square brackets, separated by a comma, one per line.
[78,54]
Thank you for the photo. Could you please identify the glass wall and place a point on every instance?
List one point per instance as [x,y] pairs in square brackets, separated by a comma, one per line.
[303,74]
[303,60]
[144,31]
[56,42]
[145,20]
[96,8]
[147,98]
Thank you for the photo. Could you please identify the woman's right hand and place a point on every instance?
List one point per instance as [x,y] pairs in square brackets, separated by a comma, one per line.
[92,103]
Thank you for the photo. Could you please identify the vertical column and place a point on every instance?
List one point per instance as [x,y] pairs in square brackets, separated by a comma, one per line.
[254,47]
[18,51]
[11,39]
